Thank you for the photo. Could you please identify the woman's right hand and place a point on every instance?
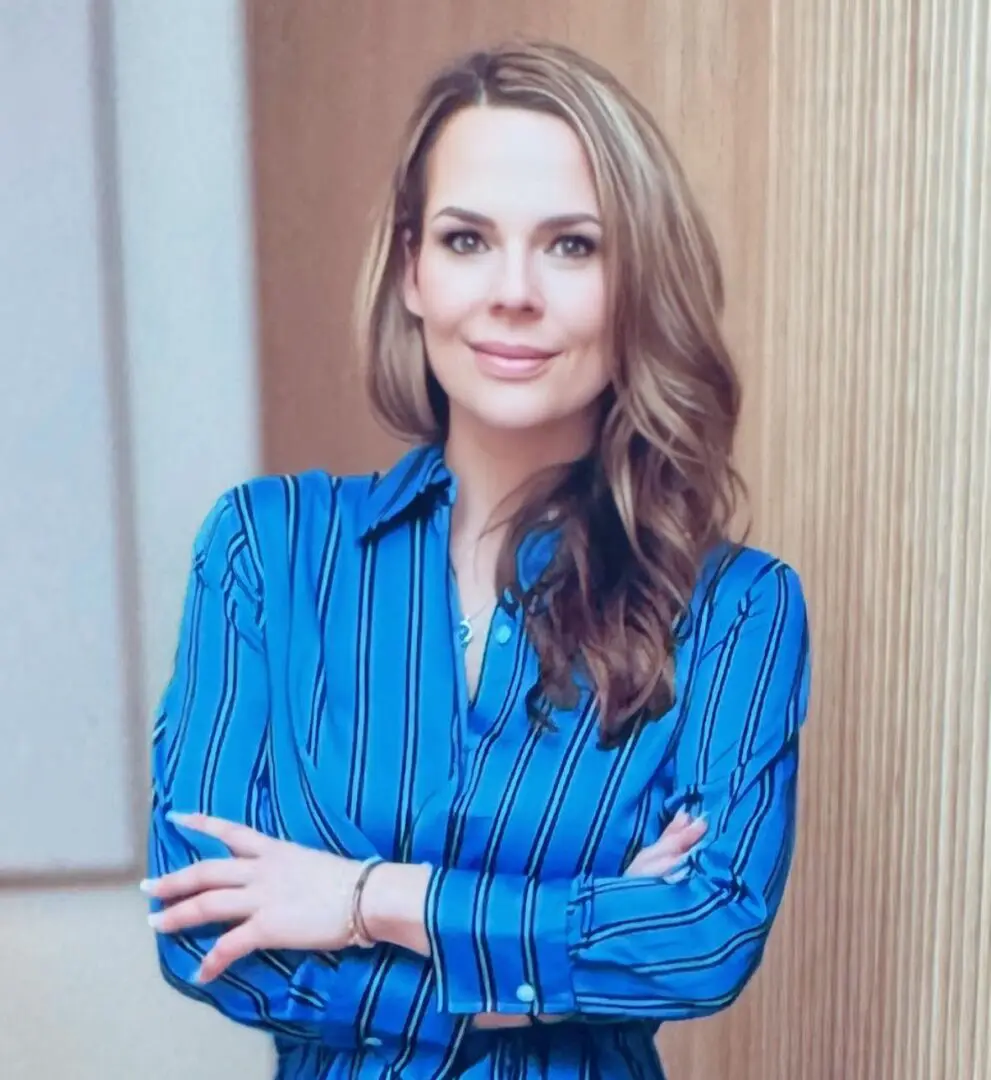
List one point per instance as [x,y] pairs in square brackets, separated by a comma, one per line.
[658,859]
[666,853]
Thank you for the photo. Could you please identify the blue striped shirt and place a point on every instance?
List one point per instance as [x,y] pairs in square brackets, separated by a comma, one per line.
[319,695]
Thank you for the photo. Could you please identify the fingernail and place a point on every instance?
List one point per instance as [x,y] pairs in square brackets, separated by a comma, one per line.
[147,885]
[677,871]
[155,920]
[176,817]
[681,817]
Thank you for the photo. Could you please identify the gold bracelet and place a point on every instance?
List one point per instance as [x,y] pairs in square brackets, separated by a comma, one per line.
[357,930]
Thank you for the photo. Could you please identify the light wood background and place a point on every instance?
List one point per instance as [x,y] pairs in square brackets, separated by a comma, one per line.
[842,150]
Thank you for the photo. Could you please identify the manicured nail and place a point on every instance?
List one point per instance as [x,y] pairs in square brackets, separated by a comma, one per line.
[147,885]
[678,872]
[155,920]
[681,818]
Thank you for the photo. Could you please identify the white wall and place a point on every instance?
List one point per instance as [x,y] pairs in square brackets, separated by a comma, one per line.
[61,593]
[167,295]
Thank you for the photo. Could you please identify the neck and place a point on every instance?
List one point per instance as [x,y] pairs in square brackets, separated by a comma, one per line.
[493,465]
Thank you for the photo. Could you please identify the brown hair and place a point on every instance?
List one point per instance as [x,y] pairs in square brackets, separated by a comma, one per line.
[637,516]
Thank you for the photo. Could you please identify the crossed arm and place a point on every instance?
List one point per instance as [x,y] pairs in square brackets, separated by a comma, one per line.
[255,926]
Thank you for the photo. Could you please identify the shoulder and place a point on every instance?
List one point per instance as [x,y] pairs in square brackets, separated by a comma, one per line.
[736,574]
[294,530]
[269,521]
[743,663]
[745,586]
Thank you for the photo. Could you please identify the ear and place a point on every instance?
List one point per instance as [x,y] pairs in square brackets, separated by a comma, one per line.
[411,287]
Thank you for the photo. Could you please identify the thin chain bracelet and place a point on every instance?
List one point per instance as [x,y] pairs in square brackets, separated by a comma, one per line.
[357,930]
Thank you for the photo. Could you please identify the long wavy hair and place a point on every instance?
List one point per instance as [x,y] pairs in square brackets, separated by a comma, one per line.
[633,520]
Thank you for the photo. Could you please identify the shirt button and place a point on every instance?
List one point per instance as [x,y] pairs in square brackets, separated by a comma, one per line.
[373,1041]
[502,634]
[526,993]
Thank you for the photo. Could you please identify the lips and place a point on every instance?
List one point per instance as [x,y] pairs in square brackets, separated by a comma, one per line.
[504,350]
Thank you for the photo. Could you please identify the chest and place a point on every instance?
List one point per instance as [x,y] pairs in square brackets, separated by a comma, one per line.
[376,712]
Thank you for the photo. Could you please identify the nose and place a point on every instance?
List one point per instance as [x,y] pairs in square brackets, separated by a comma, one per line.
[516,286]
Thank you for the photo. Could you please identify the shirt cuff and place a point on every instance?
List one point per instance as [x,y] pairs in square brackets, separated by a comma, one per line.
[371,999]
[500,942]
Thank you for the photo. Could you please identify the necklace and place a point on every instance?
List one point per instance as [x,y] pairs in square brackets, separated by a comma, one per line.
[466,632]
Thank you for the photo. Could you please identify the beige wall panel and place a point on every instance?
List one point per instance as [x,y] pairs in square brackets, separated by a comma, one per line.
[332,85]
[842,151]
[875,466]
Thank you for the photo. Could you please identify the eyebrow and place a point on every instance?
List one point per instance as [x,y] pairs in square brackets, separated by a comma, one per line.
[559,221]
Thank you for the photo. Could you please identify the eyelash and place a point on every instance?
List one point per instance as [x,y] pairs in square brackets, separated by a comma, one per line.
[450,241]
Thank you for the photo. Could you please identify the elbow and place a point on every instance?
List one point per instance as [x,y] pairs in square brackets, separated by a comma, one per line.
[177,976]
[178,964]
[714,975]
[179,960]
[684,987]
[242,994]
[721,984]
[691,962]
[712,980]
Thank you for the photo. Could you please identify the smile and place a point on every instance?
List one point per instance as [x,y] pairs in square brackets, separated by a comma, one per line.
[510,361]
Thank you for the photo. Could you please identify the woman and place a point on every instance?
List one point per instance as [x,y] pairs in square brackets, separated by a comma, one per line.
[433,771]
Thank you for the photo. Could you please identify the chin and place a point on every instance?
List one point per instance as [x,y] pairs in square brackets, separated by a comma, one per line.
[518,424]
[518,413]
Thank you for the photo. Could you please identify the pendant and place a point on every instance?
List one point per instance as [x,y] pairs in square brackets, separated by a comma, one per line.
[465,633]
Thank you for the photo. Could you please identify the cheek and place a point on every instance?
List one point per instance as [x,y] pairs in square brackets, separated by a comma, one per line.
[448,293]
[581,311]
[577,303]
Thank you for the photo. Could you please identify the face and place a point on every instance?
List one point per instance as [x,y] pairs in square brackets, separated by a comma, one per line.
[509,282]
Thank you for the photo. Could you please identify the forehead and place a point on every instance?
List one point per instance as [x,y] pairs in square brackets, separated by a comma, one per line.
[510,162]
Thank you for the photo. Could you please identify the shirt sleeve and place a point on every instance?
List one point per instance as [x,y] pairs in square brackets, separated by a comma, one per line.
[647,947]
[210,752]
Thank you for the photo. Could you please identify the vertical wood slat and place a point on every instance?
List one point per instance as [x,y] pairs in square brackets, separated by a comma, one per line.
[331,85]
[842,150]
[878,246]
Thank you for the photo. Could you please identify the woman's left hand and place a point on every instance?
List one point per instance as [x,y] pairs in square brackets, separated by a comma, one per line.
[278,894]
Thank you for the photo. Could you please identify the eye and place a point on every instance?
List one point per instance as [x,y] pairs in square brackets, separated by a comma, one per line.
[574,246]
[464,241]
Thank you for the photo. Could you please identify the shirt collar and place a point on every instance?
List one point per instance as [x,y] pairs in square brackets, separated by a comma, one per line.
[417,479]
[419,474]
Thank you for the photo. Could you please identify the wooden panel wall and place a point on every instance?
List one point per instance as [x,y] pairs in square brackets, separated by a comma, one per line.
[333,83]
[841,149]
[876,474]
